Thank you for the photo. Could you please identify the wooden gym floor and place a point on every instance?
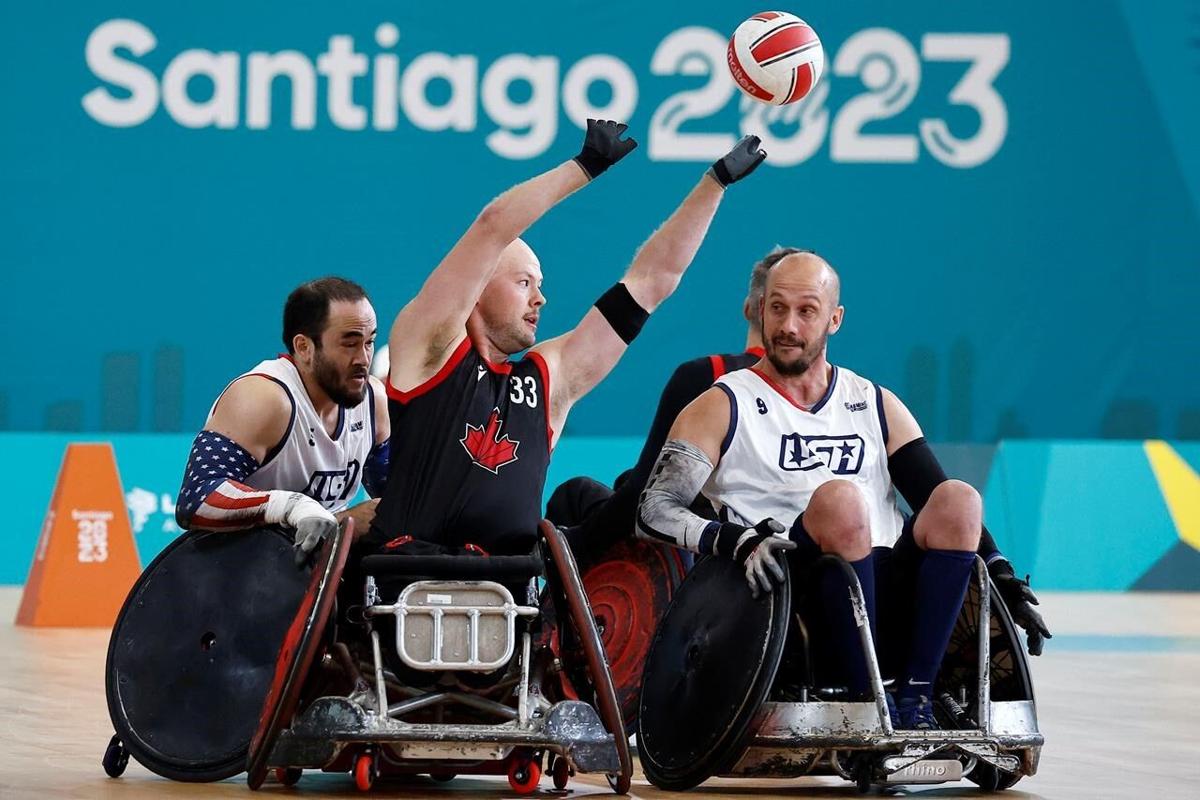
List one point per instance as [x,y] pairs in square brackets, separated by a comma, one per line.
[1118,695]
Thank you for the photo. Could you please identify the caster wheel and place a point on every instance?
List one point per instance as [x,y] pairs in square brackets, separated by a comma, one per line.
[443,777]
[365,771]
[619,783]
[985,776]
[523,776]
[288,776]
[990,779]
[116,758]
[862,778]
[560,772]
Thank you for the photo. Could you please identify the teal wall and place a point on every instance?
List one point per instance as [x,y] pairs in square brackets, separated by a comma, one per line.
[1032,285]
[1037,281]
[1077,515]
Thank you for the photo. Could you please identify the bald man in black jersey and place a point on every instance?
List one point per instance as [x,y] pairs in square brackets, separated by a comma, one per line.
[472,431]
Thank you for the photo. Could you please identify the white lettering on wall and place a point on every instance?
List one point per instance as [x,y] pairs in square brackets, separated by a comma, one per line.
[522,96]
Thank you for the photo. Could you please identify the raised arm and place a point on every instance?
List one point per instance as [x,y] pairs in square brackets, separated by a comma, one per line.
[579,359]
[434,321]
[662,260]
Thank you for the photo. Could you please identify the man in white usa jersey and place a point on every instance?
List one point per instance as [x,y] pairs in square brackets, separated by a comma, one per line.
[290,442]
[796,441]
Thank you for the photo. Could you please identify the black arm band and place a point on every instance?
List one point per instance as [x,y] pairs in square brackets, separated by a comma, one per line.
[622,312]
[916,473]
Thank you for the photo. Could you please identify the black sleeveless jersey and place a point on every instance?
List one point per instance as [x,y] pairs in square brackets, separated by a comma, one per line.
[469,453]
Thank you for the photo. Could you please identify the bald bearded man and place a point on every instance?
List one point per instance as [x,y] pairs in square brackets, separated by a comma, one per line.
[797,443]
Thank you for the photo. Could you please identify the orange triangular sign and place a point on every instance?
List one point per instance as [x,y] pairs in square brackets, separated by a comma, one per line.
[86,561]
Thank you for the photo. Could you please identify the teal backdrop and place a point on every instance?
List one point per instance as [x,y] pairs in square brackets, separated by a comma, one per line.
[1010,192]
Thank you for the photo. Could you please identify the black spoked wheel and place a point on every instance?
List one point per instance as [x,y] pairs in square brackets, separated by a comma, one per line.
[1010,679]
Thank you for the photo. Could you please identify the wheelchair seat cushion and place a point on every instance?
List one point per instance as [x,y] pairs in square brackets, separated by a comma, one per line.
[453,567]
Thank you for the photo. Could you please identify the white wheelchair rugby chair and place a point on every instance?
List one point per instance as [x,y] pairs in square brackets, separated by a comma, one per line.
[702,715]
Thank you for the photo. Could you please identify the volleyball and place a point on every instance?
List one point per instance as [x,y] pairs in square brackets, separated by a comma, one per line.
[775,57]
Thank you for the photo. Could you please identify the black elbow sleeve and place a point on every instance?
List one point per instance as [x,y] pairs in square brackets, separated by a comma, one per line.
[916,472]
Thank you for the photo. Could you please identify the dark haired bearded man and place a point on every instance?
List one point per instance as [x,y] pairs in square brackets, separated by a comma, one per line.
[290,442]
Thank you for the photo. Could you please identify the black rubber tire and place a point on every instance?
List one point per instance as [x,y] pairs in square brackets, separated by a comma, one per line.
[990,779]
[134,738]
[560,772]
[290,776]
[563,579]
[726,740]
[116,758]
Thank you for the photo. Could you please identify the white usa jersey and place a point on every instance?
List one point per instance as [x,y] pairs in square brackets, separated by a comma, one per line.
[307,459]
[777,453]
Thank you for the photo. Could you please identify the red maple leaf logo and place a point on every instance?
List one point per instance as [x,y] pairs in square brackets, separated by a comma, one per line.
[487,447]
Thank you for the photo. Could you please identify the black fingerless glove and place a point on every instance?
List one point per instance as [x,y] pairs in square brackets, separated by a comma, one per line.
[1020,600]
[603,146]
[739,162]
[730,534]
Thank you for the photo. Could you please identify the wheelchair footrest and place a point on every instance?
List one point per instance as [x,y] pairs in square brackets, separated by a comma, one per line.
[857,726]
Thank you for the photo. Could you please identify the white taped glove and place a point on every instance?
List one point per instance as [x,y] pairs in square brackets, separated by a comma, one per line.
[312,522]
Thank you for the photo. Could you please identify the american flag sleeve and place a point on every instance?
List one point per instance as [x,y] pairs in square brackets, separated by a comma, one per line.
[212,496]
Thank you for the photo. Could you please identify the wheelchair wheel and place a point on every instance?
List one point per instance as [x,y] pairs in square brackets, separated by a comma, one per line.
[192,651]
[301,643]
[1009,665]
[629,590]
[116,758]
[366,770]
[990,779]
[560,771]
[710,669]
[577,625]
[524,776]
[289,776]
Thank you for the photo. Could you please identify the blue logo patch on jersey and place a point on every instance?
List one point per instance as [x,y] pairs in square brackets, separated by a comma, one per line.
[333,486]
[842,455]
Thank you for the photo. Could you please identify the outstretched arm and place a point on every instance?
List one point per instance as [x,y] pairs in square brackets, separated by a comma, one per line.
[662,260]
[433,321]
[579,359]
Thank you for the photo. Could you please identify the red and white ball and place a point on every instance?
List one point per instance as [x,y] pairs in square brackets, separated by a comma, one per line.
[775,57]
